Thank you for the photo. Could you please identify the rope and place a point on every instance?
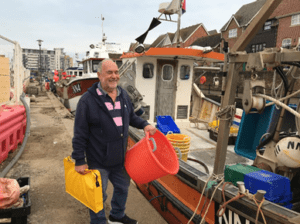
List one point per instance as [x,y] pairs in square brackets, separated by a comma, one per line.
[213,176]
[280,104]
[225,110]
[284,98]
[212,196]
[238,196]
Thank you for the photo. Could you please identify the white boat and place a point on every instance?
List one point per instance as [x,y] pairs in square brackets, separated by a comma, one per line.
[71,89]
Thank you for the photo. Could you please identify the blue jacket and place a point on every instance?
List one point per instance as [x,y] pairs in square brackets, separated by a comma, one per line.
[96,136]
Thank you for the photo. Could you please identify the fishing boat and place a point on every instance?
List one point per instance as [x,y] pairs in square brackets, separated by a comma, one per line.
[263,184]
[70,88]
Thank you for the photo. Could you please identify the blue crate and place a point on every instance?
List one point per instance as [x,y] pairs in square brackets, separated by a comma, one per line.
[278,187]
[254,125]
[166,124]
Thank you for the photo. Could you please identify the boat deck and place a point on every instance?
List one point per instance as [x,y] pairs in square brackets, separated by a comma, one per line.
[204,149]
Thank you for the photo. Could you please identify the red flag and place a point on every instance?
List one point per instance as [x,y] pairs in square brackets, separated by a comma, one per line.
[183,6]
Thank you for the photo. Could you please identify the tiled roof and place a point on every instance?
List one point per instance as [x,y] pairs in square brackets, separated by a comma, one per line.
[212,40]
[158,40]
[245,14]
[186,32]
[212,32]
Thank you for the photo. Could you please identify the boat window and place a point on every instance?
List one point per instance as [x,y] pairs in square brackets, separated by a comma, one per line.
[71,73]
[185,72]
[75,73]
[80,73]
[167,73]
[95,65]
[148,69]
[119,63]
[85,67]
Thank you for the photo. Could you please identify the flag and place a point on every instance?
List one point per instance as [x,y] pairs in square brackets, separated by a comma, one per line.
[183,6]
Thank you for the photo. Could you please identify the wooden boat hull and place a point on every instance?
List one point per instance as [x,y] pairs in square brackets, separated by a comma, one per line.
[70,93]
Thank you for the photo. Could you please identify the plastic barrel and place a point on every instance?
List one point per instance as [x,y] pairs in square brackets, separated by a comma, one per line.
[151,158]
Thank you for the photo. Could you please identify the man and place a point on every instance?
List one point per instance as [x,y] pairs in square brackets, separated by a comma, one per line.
[103,116]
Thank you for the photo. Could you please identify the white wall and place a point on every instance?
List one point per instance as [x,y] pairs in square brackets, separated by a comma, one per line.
[183,94]
[146,86]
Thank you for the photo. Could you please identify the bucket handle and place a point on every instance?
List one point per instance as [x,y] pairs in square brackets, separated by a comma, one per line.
[154,144]
[170,132]
[178,149]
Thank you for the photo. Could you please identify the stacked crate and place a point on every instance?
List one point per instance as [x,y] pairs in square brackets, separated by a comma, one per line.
[4,80]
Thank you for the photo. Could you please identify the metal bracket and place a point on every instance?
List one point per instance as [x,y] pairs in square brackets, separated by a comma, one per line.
[247,95]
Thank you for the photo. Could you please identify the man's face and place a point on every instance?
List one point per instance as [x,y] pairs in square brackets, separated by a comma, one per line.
[109,76]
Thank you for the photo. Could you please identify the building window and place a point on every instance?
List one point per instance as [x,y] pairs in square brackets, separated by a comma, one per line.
[258,47]
[167,74]
[295,20]
[185,72]
[232,33]
[267,25]
[286,43]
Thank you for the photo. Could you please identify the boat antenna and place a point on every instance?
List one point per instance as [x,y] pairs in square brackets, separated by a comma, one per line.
[103,34]
[168,9]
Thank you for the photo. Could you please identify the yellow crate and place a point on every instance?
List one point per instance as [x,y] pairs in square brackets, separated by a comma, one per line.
[215,125]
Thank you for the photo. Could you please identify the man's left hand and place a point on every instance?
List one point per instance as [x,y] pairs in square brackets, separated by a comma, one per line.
[150,128]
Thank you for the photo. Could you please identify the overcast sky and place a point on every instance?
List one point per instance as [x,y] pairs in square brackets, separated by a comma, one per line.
[74,25]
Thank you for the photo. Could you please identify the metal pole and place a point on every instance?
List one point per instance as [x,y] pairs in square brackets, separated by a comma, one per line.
[39,65]
[178,25]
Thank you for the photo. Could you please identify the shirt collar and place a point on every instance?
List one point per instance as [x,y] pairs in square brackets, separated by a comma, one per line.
[104,92]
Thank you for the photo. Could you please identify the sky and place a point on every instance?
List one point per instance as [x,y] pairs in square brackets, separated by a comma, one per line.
[74,25]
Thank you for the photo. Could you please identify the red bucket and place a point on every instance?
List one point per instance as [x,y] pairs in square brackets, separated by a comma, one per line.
[151,158]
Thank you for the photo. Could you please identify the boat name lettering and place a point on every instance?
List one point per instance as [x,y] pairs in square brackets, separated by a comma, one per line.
[76,88]
[230,217]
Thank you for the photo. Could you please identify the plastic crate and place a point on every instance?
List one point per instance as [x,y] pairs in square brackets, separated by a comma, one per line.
[237,172]
[214,136]
[254,125]
[278,188]
[166,124]
[19,215]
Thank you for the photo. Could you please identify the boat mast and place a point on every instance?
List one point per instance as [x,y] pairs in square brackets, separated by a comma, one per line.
[178,24]
[103,34]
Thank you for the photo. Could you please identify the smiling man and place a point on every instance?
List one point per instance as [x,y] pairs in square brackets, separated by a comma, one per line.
[103,116]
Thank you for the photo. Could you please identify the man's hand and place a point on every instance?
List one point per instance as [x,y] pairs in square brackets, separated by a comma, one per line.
[150,128]
[81,169]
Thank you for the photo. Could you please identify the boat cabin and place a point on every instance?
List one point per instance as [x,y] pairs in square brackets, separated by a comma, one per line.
[74,71]
[164,78]
[96,54]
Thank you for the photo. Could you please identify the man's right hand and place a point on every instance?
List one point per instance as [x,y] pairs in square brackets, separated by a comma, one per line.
[81,169]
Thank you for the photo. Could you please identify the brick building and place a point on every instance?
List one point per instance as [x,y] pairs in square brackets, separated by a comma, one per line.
[188,35]
[238,23]
[282,29]
[288,16]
